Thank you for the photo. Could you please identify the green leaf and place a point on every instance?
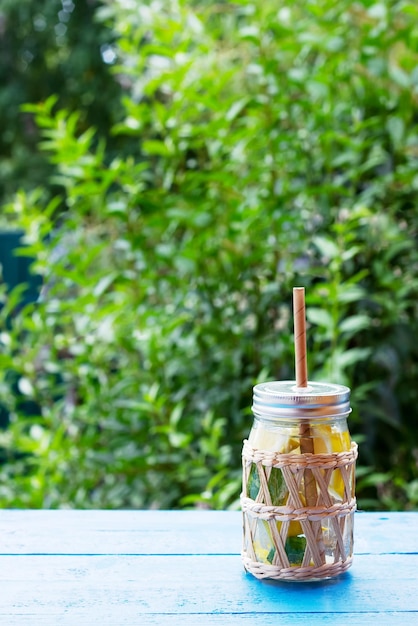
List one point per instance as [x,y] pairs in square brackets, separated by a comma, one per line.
[270,555]
[295,549]
[253,486]
[320,317]
[236,109]
[354,324]
[159,148]
[326,246]
[103,284]
[396,128]
[277,487]
[350,293]
[352,356]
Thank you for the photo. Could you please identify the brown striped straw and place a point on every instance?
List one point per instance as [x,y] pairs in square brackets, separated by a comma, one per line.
[300,336]
[306,440]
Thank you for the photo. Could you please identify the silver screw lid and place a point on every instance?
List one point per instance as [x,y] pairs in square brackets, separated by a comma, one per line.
[282,398]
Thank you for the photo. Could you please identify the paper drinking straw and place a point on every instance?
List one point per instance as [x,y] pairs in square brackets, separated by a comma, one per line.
[306,440]
[300,336]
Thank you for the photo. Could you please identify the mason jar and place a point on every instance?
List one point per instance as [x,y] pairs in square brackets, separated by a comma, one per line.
[298,496]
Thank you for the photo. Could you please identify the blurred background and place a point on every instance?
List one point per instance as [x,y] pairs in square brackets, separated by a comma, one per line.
[169,170]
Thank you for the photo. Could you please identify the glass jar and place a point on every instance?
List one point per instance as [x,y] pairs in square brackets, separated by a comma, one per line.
[298,497]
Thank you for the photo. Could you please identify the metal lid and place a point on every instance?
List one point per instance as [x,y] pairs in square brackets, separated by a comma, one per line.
[281,398]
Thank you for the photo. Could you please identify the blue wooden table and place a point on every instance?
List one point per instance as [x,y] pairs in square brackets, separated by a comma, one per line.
[119,567]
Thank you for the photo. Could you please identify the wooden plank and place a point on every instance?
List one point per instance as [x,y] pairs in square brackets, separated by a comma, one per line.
[126,616]
[386,533]
[173,532]
[120,532]
[194,585]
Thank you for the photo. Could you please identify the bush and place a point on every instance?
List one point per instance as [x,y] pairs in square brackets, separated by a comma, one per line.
[50,46]
[270,148]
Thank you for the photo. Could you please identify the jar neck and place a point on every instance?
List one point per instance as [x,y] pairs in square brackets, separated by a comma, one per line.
[291,421]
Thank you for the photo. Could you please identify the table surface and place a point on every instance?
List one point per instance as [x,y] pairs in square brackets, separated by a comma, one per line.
[184,567]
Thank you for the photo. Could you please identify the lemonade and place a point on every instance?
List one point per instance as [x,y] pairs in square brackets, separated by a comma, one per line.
[298,505]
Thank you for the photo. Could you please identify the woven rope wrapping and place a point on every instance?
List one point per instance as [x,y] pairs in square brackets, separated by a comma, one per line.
[264,570]
[310,518]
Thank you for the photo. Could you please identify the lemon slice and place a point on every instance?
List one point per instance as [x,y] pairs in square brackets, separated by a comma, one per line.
[269,439]
[327,439]
[263,542]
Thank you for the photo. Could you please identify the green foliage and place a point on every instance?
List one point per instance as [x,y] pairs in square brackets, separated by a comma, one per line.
[262,148]
[50,47]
